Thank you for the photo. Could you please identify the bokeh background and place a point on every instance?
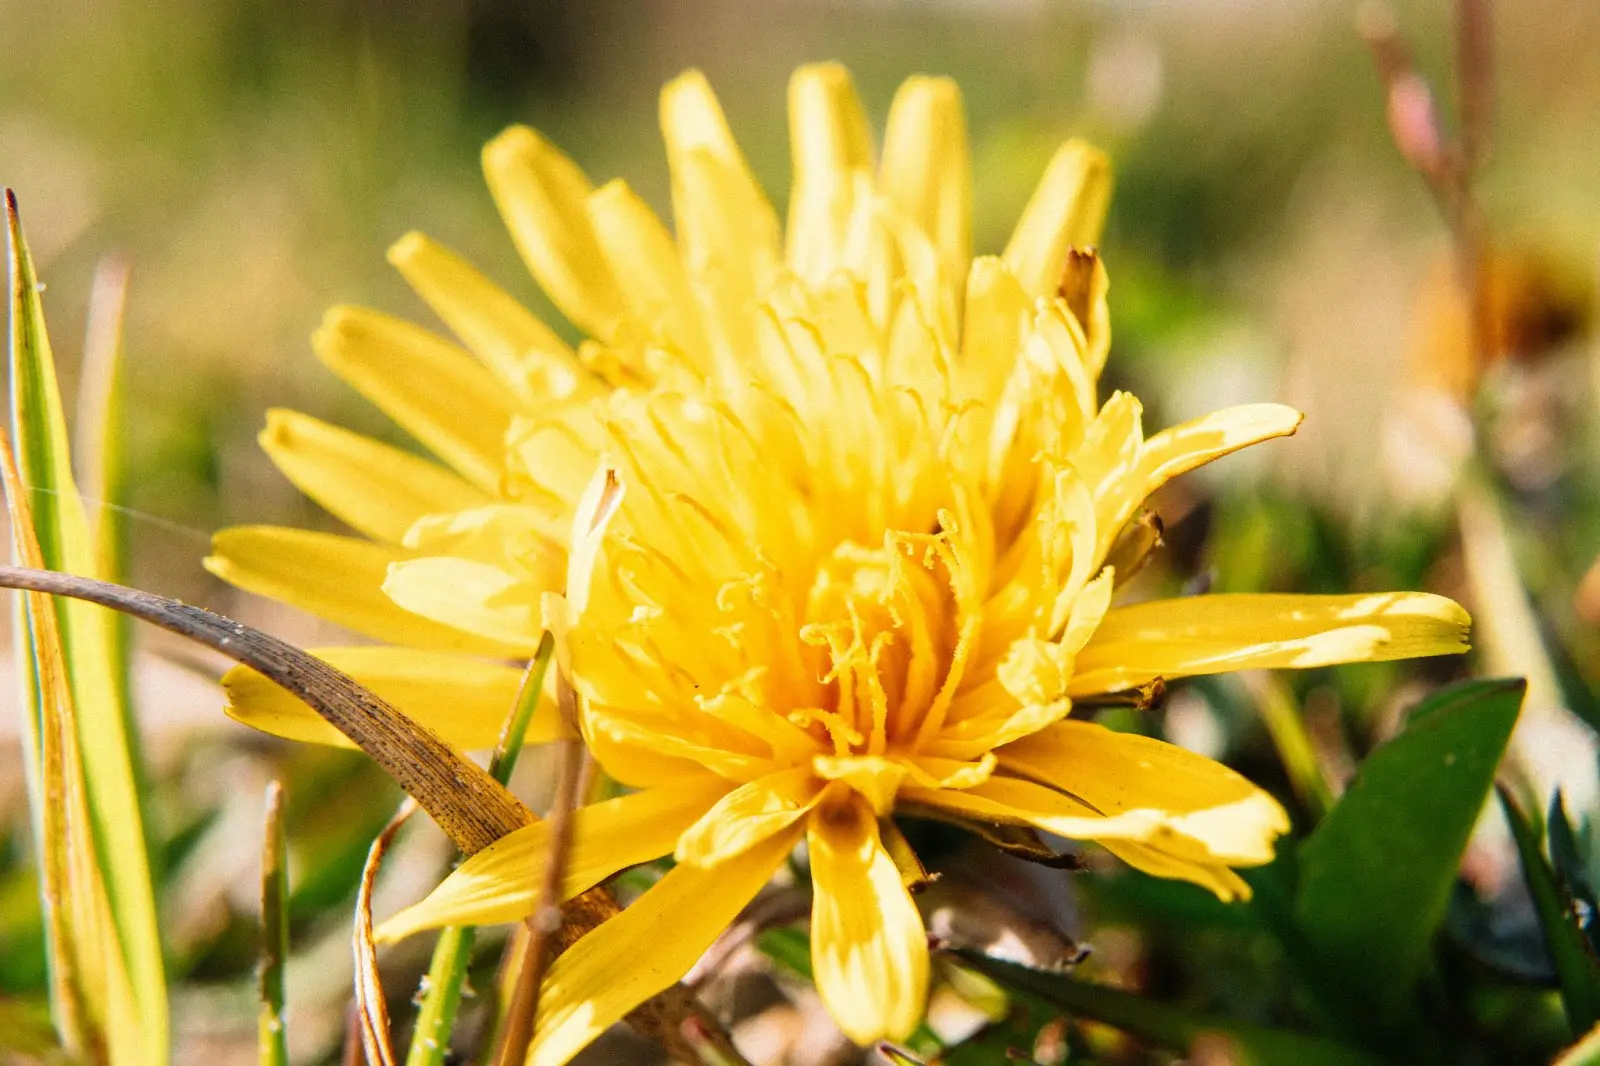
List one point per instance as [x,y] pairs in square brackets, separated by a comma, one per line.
[251,160]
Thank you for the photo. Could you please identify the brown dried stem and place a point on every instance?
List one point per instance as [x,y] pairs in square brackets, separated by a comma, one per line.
[546,920]
[1448,168]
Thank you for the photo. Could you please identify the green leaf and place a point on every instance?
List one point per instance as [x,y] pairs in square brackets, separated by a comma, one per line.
[88,640]
[1577,969]
[1567,857]
[789,947]
[1375,876]
[1164,1024]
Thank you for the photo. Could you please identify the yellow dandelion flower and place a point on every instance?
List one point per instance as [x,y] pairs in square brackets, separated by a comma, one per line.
[852,516]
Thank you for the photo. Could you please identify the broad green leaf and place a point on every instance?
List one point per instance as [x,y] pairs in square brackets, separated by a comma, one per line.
[1164,1024]
[1567,858]
[89,644]
[1375,875]
[1577,969]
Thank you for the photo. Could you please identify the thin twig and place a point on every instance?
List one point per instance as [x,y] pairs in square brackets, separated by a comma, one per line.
[1448,168]
[1474,78]
[546,920]
[1475,101]
[452,953]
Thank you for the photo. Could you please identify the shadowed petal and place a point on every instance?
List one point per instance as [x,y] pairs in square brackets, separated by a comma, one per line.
[646,948]
[463,700]
[498,883]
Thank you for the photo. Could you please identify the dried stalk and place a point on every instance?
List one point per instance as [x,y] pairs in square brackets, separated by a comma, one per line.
[452,953]
[1448,168]
[546,920]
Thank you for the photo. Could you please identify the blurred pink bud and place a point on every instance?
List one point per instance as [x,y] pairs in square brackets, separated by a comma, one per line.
[1414,124]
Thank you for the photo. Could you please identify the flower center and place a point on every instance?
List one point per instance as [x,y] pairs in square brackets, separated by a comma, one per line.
[882,630]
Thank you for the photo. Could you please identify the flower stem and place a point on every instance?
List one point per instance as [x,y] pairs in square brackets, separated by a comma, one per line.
[452,955]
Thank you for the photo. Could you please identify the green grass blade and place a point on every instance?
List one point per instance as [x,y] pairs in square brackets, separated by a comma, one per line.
[1376,874]
[89,642]
[1577,969]
[452,954]
[1163,1024]
[272,1035]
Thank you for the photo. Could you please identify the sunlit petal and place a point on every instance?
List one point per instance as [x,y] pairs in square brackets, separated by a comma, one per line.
[1120,772]
[523,352]
[472,597]
[925,171]
[829,144]
[869,948]
[1210,634]
[1067,210]
[376,489]
[1214,877]
[542,196]
[433,389]
[749,815]
[337,578]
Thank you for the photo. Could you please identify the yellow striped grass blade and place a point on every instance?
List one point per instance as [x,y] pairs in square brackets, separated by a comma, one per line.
[91,1000]
[93,706]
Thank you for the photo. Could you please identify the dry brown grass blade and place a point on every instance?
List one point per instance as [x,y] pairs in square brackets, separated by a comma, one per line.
[371,1009]
[471,807]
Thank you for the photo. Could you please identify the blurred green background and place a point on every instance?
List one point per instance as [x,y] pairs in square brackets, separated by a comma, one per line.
[251,161]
